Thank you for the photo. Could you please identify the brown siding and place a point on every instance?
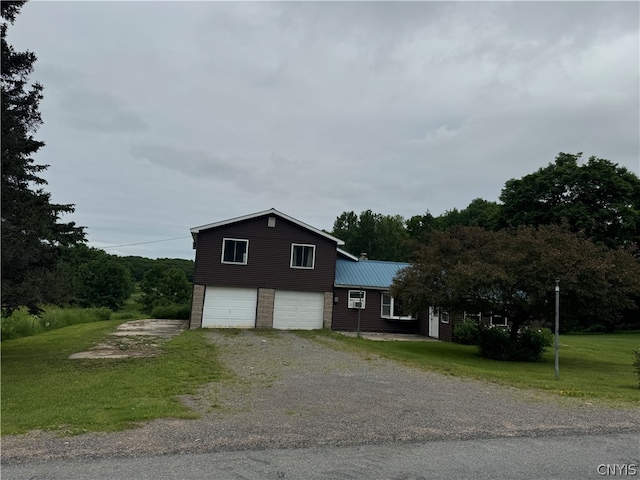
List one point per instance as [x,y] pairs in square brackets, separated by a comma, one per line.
[423,323]
[345,318]
[268,258]
[446,329]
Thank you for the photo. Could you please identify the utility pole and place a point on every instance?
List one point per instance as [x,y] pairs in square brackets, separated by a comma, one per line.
[359,309]
[557,328]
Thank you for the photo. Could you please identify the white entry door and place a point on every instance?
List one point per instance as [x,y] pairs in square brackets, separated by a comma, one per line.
[434,323]
[226,307]
[298,310]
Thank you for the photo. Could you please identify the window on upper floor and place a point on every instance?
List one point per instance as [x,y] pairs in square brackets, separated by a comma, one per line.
[235,250]
[303,256]
[393,308]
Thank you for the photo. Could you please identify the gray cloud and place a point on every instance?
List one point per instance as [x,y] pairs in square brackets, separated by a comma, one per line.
[99,112]
[319,107]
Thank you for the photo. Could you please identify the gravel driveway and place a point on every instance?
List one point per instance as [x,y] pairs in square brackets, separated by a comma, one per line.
[293,392]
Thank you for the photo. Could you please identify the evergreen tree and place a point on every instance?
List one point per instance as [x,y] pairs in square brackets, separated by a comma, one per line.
[32,234]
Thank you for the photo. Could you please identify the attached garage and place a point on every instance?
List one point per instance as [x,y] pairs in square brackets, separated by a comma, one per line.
[297,310]
[226,307]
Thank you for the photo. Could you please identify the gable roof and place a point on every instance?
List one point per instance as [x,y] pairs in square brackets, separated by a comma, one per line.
[272,211]
[373,274]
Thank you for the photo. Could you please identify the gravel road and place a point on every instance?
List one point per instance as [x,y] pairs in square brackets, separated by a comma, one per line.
[291,392]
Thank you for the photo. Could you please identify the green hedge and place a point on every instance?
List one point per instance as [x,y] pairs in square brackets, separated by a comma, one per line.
[495,343]
[173,312]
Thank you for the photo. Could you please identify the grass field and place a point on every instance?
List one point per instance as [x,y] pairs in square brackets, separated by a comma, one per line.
[597,367]
[43,389]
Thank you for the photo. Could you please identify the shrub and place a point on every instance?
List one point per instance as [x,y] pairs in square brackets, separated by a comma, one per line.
[597,328]
[20,324]
[495,343]
[174,312]
[636,364]
[466,333]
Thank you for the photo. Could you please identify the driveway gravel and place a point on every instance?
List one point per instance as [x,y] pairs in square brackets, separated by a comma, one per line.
[289,391]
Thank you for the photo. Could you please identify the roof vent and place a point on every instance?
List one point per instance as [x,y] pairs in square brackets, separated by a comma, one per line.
[363,256]
[271,222]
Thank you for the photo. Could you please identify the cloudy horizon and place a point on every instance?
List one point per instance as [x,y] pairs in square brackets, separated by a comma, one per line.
[162,116]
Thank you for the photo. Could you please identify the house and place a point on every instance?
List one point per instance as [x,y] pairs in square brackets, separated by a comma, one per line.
[361,297]
[265,270]
[270,270]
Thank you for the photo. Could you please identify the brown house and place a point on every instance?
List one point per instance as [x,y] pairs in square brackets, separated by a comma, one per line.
[263,270]
[269,270]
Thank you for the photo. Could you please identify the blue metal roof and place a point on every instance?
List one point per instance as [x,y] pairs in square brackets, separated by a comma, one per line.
[366,273]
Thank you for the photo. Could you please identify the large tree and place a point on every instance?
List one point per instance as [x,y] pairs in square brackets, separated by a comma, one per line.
[381,237]
[32,233]
[104,282]
[599,198]
[513,272]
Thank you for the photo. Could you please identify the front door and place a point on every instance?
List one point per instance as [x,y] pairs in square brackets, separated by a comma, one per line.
[434,322]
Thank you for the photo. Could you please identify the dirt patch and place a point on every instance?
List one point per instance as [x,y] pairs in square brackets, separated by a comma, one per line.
[137,338]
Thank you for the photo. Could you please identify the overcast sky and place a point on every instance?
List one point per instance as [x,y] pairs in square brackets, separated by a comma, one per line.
[159,117]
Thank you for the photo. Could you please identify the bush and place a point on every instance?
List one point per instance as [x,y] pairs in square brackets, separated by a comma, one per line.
[22,324]
[466,333]
[104,282]
[496,344]
[173,312]
[636,364]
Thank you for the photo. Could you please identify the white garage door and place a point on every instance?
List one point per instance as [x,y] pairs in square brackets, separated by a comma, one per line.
[229,307]
[297,310]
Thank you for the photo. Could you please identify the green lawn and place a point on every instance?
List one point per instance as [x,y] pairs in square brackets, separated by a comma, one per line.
[593,367]
[43,389]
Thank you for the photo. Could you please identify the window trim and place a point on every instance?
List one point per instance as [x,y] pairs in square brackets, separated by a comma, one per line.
[504,319]
[442,317]
[313,258]
[392,305]
[246,253]
[363,299]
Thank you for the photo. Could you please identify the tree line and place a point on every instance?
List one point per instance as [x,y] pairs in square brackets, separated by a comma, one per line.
[577,223]
[44,259]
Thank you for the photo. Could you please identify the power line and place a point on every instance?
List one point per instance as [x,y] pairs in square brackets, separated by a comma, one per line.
[144,243]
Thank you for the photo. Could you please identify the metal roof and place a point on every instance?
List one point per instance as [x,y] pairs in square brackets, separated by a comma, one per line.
[272,211]
[367,273]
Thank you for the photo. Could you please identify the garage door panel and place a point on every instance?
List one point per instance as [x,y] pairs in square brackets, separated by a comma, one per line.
[229,307]
[298,310]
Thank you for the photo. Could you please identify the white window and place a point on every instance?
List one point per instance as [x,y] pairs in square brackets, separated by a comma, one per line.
[444,317]
[498,320]
[393,308]
[357,298]
[235,250]
[303,256]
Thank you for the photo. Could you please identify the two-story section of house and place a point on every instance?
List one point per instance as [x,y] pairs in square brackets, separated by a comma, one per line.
[265,270]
